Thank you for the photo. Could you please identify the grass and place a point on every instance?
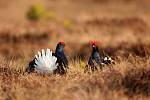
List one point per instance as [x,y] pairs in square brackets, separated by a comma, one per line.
[128,78]
[124,32]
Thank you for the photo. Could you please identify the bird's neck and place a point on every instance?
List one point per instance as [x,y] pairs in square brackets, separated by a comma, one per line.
[95,50]
[58,50]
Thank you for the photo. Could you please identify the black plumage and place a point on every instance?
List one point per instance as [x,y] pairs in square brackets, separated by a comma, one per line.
[95,58]
[61,60]
[31,67]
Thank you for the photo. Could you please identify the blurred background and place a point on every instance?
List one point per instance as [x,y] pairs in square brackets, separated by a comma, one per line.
[122,27]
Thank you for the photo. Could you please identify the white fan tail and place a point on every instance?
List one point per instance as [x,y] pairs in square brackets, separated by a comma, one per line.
[45,62]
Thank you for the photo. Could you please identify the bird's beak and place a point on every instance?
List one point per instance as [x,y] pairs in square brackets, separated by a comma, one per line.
[93,46]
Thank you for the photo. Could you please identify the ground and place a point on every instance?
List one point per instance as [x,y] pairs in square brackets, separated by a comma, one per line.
[122,28]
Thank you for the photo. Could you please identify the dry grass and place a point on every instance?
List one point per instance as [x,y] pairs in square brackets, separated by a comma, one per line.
[127,79]
[121,26]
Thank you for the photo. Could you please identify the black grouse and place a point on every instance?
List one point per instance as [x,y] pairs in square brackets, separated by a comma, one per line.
[95,58]
[62,62]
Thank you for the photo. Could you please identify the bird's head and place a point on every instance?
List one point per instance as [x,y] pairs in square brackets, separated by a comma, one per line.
[94,45]
[62,43]
[60,46]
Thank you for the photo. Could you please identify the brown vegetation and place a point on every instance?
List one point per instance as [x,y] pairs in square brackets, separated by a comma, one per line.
[121,26]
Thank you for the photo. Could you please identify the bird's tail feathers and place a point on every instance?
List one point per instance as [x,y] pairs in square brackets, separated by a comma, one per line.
[45,62]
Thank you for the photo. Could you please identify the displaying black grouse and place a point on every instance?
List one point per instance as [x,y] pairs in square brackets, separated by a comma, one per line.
[95,58]
[47,61]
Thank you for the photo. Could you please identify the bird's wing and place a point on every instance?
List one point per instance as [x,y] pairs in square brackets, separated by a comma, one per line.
[31,67]
[97,58]
[62,62]
[62,59]
[65,60]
